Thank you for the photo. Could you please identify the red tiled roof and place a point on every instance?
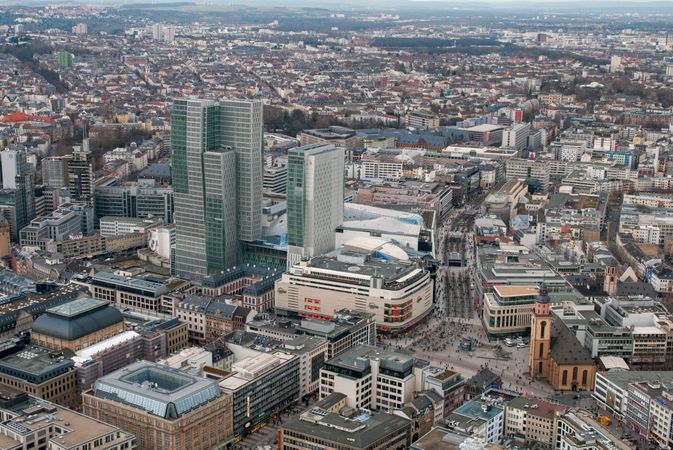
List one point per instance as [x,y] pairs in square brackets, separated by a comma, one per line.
[23,117]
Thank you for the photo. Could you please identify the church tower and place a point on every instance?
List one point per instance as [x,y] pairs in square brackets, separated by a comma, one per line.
[540,335]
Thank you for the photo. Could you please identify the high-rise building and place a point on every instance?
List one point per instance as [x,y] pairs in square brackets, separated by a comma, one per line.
[204,180]
[241,126]
[217,182]
[80,173]
[315,200]
[80,28]
[142,200]
[64,59]
[55,171]
[18,178]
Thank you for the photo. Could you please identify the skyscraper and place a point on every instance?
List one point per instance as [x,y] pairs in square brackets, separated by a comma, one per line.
[204,190]
[55,171]
[80,173]
[315,199]
[18,177]
[241,125]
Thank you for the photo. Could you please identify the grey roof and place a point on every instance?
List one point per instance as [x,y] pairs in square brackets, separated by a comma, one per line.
[360,431]
[160,390]
[237,272]
[565,348]
[483,379]
[157,170]
[212,306]
[78,318]
[35,364]
[112,280]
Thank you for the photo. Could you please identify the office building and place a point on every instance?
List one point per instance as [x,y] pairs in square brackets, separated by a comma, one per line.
[217,181]
[315,200]
[275,179]
[152,341]
[80,173]
[64,60]
[18,182]
[579,430]
[422,120]
[482,417]
[59,226]
[371,378]
[77,324]
[119,225]
[163,407]
[532,418]
[330,423]
[535,172]
[261,385]
[242,130]
[127,292]
[345,330]
[611,390]
[516,136]
[39,371]
[55,171]
[310,350]
[28,421]
[209,319]
[335,135]
[80,28]
[142,200]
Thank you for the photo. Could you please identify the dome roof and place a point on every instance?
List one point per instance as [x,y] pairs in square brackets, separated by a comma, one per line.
[74,320]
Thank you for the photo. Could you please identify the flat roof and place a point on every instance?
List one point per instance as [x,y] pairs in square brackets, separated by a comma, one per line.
[77,429]
[515,291]
[360,430]
[34,361]
[158,389]
[77,307]
[485,127]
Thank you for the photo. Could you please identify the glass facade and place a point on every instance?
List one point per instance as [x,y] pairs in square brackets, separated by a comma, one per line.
[133,201]
[241,127]
[208,141]
[296,201]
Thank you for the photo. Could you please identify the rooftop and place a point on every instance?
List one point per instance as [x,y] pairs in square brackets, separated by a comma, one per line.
[515,291]
[160,390]
[30,415]
[35,364]
[352,428]
[77,307]
[76,319]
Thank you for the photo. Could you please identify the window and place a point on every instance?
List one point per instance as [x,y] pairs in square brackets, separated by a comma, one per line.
[574,374]
[543,325]
[564,378]
[585,376]
[541,350]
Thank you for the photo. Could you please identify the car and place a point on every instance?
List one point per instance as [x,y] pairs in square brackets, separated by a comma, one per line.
[520,345]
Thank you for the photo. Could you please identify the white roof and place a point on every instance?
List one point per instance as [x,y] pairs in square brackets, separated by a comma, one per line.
[89,352]
[369,244]
[647,330]
[614,362]
[485,127]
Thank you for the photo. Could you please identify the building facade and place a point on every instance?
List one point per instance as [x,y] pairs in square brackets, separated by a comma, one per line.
[163,407]
[315,200]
